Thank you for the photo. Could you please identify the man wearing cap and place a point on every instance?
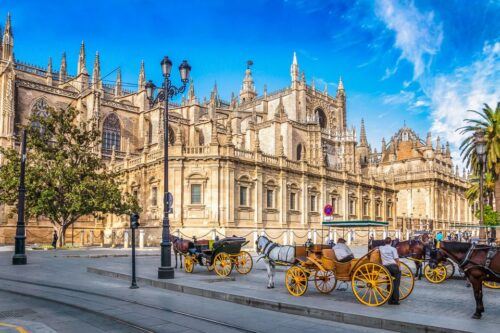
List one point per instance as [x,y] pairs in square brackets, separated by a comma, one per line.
[342,251]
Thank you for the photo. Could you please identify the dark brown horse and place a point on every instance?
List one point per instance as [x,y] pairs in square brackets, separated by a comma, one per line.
[479,263]
[180,246]
[413,248]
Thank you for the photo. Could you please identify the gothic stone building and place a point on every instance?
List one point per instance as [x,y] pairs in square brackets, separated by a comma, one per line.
[254,163]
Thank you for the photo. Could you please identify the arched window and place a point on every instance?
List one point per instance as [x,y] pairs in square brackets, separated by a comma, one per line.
[301,152]
[201,138]
[171,135]
[111,133]
[320,117]
[39,109]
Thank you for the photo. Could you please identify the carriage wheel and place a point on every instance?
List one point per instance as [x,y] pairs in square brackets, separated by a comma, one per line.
[372,284]
[407,281]
[325,281]
[223,264]
[450,268]
[188,264]
[436,275]
[491,284]
[244,262]
[296,281]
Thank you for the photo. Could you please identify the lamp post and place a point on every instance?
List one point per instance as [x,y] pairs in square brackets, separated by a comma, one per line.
[19,257]
[480,142]
[167,91]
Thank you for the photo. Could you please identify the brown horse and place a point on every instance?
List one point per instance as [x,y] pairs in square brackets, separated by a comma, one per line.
[413,248]
[180,246]
[479,263]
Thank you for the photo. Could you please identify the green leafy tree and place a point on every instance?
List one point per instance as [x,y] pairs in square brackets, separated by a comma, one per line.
[472,193]
[65,177]
[488,121]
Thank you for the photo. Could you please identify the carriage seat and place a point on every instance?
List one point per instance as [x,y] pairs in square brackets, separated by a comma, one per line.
[341,269]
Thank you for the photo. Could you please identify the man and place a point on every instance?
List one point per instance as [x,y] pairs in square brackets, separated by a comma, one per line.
[390,260]
[438,238]
[54,240]
[342,251]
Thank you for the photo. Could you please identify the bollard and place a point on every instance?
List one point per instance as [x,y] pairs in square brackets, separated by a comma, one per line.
[141,238]
[255,237]
[125,239]
[285,237]
[349,237]
[263,232]
[408,234]
[309,234]
[214,234]
[335,235]
[314,236]
[384,234]
[291,237]
[330,235]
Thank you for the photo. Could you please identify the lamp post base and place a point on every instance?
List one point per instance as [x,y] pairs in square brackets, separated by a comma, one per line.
[19,259]
[165,272]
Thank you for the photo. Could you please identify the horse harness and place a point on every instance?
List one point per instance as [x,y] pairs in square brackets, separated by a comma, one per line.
[492,251]
[271,246]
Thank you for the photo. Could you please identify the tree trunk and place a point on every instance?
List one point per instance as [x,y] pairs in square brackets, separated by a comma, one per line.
[497,194]
[62,235]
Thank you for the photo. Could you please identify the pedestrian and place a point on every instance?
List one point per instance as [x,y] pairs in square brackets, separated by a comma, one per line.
[54,240]
[438,238]
[390,260]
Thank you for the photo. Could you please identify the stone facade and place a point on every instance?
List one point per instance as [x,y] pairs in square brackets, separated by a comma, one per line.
[257,162]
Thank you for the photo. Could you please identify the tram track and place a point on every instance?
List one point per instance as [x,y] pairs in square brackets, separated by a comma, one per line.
[120,299]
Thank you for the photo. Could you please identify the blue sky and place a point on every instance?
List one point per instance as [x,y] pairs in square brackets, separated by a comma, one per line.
[424,62]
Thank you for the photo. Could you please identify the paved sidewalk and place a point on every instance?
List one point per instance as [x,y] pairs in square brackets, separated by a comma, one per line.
[430,307]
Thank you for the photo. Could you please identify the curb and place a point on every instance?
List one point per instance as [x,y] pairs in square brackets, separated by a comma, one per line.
[308,311]
[95,256]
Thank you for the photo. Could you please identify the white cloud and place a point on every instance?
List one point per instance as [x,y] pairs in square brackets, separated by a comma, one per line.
[417,35]
[403,97]
[466,88]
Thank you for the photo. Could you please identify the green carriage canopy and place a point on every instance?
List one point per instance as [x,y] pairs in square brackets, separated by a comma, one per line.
[355,223]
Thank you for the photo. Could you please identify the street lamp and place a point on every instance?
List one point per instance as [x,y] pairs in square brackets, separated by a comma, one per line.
[19,257]
[480,143]
[167,91]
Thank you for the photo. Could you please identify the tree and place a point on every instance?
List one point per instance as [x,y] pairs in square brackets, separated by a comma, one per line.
[472,193]
[488,121]
[65,177]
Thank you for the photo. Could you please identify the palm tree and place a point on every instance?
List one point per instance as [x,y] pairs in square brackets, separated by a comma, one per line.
[488,121]
[472,194]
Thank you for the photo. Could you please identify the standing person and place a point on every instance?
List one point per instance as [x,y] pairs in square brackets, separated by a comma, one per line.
[342,251]
[54,240]
[390,260]
[438,238]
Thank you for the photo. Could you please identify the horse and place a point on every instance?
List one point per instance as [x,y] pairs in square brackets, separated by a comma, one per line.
[478,262]
[180,246]
[413,248]
[273,253]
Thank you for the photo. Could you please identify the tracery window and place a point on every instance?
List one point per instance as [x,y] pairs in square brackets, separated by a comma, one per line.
[321,117]
[111,133]
[39,109]
[300,152]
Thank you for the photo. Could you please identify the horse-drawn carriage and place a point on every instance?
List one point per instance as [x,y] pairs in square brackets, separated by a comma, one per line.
[222,256]
[371,282]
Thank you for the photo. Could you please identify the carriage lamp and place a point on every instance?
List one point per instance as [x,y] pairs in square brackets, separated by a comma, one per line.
[166,91]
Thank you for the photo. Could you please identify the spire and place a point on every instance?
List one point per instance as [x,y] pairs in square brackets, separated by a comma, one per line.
[8,40]
[48,74]
[81,60]
[118,84]
[294,71]
[325,91]
[313,85]
[265,91]
[62,70]
[428,141]
[383,145]
[362,138]
[191,94]
[247,92]
[341,85]
[438,144]
[96,73]
[142,77]
[448,152]
[215,92]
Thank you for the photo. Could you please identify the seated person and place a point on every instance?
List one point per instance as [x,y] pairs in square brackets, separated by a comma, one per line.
[342,251]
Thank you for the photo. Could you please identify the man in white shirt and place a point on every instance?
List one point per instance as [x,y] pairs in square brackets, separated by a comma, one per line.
[390,260]
[342,251]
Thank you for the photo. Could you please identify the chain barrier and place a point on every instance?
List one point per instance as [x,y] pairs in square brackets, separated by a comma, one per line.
[305,235]
[191,237]
[277,237]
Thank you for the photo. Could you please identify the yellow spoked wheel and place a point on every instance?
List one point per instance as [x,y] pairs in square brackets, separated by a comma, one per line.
[372,284]
[436,275]
[188,264]
[407,281]
[244,262]
[325,281]
[450,269]
[491,284]
[223,264]
[296,280]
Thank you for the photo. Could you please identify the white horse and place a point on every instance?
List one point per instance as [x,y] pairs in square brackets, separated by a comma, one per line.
[273,253]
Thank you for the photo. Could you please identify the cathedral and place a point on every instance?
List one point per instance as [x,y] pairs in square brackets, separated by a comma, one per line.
[256,163]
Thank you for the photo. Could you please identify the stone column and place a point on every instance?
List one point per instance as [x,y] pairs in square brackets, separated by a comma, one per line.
[141,238]
[125,239]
